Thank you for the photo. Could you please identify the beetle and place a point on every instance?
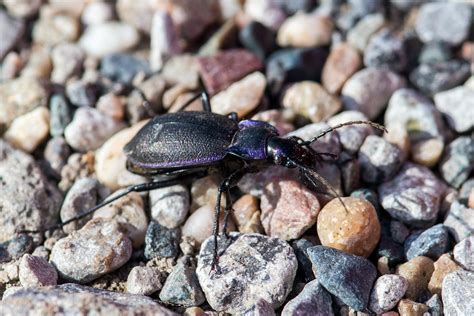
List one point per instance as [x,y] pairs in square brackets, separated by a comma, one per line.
[175,147]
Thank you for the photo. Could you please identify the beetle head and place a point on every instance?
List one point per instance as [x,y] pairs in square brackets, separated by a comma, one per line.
[289,152]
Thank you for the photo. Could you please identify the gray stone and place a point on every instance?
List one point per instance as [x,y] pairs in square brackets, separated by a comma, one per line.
[182,287]
[170,205]
[252,267]
[399,231]
[161,242]
[144,280]
[388,290]
[360,34]
[431,243]
[123,67]
[464,253]
[351,137]
[313,300]
[413,196]
[458,293]
[385,49]
[262,308]
[304,264]
[67,62]
[82,93]
[60,114]
[27,199]
[435,305]
[379,160]
[56,153]
[36,271]
[11,30]
[348,277]
[78,300]
[460,221]
[15,248]
[457,161]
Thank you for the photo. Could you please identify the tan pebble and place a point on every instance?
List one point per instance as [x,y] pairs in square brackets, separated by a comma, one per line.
[111,105]
[417,272]
[305,30]
[391,313]
[355,230]
[244,208]
[254,225]
[56,29]
[170,95]
[470,201]
[397,135]
[343,61]
[39,64]
[409,308]
[442,267]
[383,266]
[427,152]
[203,192]
[23,136]
[311,100]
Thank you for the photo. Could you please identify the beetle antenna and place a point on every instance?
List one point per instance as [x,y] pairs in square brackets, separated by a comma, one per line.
[375,125]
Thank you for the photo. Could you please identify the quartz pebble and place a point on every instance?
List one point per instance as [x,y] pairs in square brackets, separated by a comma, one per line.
[387,292]
[464,253]
[312,300]
[442,267]
[67,61]
[348,277]
[305,30]
[97,13]
[456,105]
[36,271]
[20,134]
[432,243]
[457,161]
[161,242]
[266,268]
[458,294]
[96,249]
[459,221]
[427,152]
[143,280]
[355,230]
[311,100]
[417,272]
[288,209]
[170,205]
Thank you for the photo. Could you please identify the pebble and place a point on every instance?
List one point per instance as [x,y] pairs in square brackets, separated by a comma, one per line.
[293,65]
[56,29]
[435,305]
[288,209]
[22,9]
[311,100]
[457,161]
[351,137]
[417,272]
[456,105]
[170,205]
[408,307]
[96,249]
[153,88]
[97,13]
[433,78]
[129,213]
[258,39]
[220,39]
[241,97]
[78,299]
[81,93]
[267,12]
[67,60]
[390,250]
[123,68]
[413,196]
[13,104]
[427,152]
[348,277]
[343,61]
[36,271]
[246,214]
[224,68]
[200,224]
[370,89]
[460,221]
[78,166]
[28,199]
[11,66]
[39,64]
[329,143]
[442,267]
[355,230]
[398,231]
[464,253]
[300,247]
[108,38]
[139,13]
[60,114]
[21,135]
[253,267]
[204,192]
[11,30]
[143,280]
[458,293]
[83,195]
[360,34]
[305,30]
[312,300]
[164,39]
[385,49]
[435,52]
[14,248]
[161,242]
[443,22]
[183,70]
[388,290]
[112,106]
[379,160]
[431,243]
[182,286]
[90,128]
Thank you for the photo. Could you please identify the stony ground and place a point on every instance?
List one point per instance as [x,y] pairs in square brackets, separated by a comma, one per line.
[73,80]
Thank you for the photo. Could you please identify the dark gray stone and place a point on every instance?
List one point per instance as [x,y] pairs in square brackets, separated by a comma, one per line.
[390,249]
[313,300]
[258,39]
[15,248]
[457,161]
[432,243]
[123,67]
[435,52]
[385,49]
[82,93]
[300,246]
[346,276]
[60,115]
[161,242]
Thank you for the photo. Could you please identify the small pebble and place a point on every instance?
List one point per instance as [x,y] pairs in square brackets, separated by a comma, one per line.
[427,152]
[343,61]
[457,161]
[21,135]
[348,277]
[435,305]
[390,250]
[388,290]
[36,271]
[464,253]
[60,114]
[112,106]
[161,242]
[67,60]
[311,100]
[355,230]
[370,89]
[267,12]
[183,70]
[458,293]
[398,231]
[431,243]
[459,221]
[351,137]
[22,9]
[300,247]
[56,29]
[11,30]
[39,65]
[97,13]
[14,248]
[108,38]
[417,272]
[258,39]
[312,300]
[182,286]
[266,268]
[360,34]
[204,192]
[143,280]
[164,40]
[123,67]
[435,52]
[408,307]
[305,30]
[170,205]
[385,49]
[96,249]
[220,39]
[442,267]
[456,105]
[246,214]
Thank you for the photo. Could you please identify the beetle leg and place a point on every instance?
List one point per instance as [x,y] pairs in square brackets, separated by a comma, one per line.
[227,210]
[215,229]
[233,116]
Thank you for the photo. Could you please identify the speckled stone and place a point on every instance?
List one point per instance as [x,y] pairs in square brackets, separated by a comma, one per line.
[305,30]
[385,49]
[387,292]
[170,205]
[464,253]
[161,242]
[432,243]
[459,221]
[442,267]
[418,273]
[312,300]
[143,280]
[36,271]
[457,161]
[123,67]
[356,231]
[458,293]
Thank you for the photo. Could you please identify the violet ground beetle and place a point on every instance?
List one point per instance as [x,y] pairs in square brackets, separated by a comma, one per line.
[175,147]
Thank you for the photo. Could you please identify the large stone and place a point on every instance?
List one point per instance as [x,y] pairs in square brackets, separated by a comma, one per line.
[418,273]
[387,292]
[432,243]
[21,135]
[458,293]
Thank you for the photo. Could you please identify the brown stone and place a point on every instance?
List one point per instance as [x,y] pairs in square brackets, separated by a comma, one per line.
[417,272]
[246,214]
[409,308]
[355,230]
[383,266]
[427,152]
[442,267]
[343,61]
